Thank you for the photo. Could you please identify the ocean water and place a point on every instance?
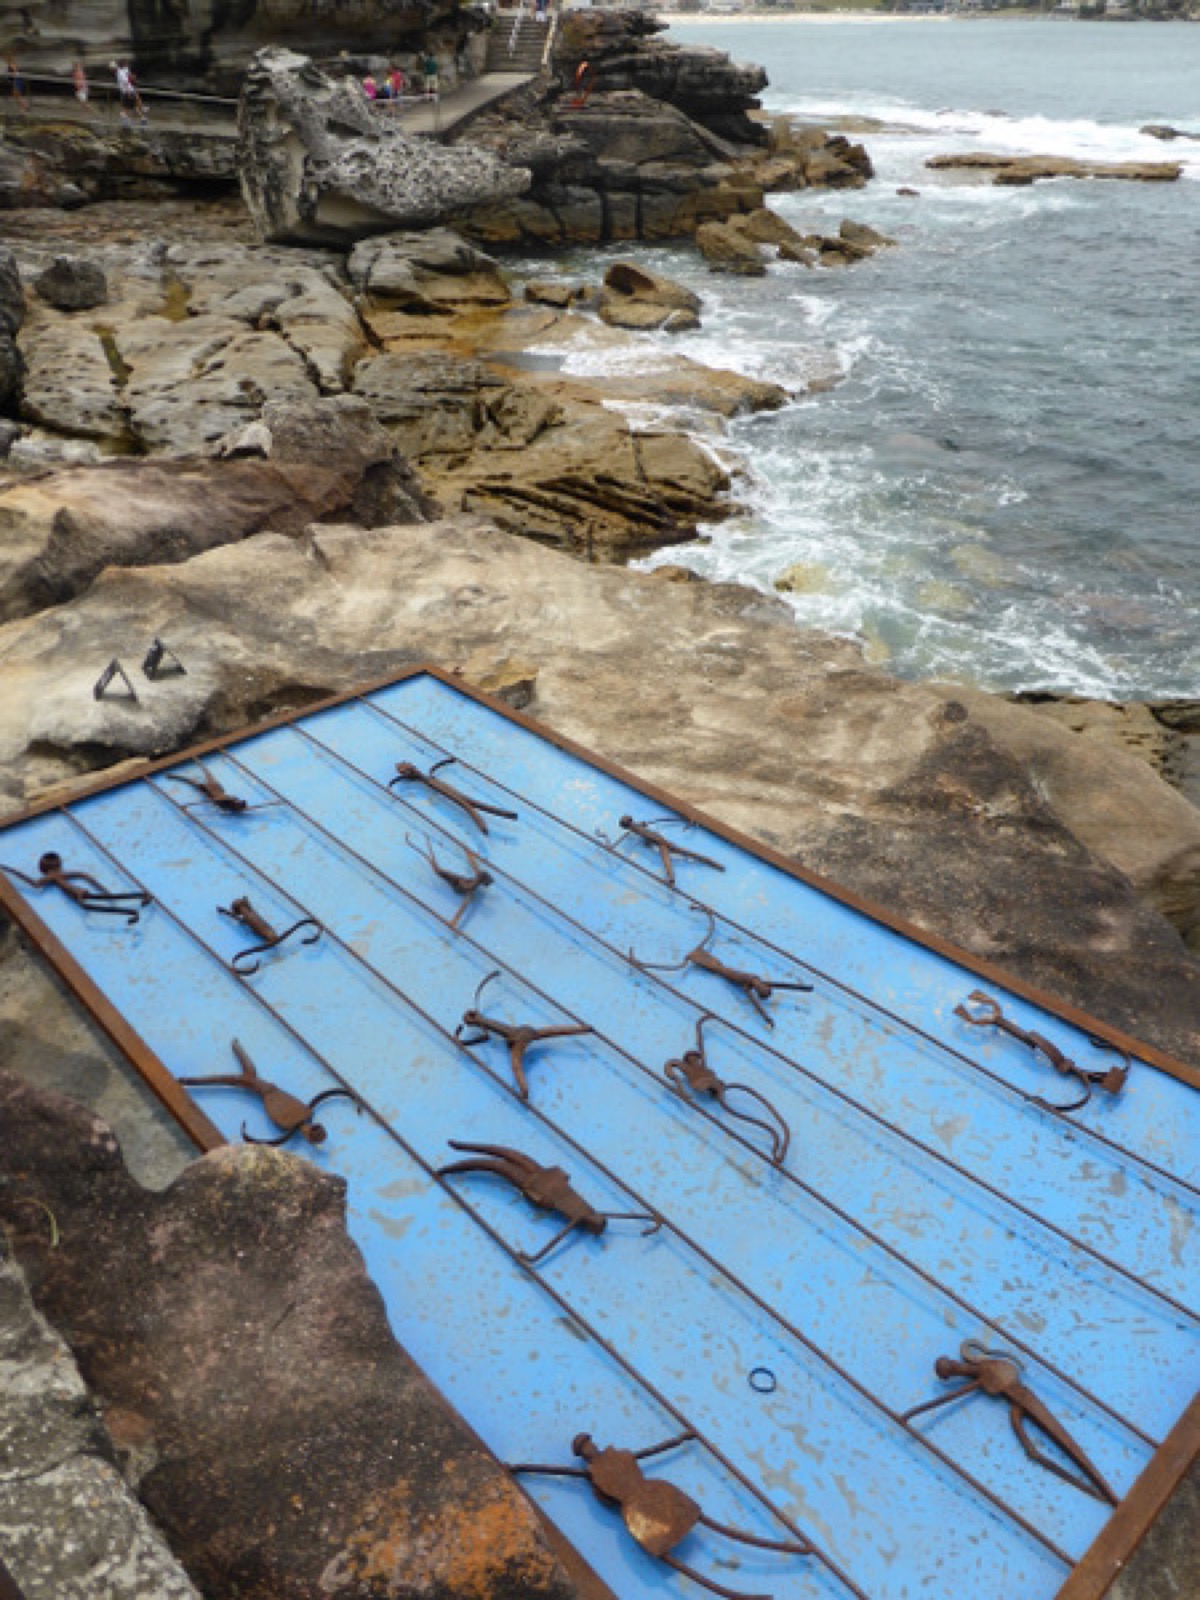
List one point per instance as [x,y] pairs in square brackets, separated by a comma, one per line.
[1004,486]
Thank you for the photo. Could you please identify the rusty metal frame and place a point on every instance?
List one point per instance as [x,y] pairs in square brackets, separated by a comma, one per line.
[1094,1574]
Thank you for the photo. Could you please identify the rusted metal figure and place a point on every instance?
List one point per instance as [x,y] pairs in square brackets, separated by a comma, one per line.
[548,1188]
[657,1514]
[667,849]
[756,988]
[286,1111]
[242,911]
[517,1036]
[406,772]
[81,887]
[998,1374]
[981,1011]
[691,1072]
[466,884]
[104,682]
[212,790]
[160,661]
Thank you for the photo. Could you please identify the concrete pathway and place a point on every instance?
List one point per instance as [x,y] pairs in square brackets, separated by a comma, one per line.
[453,111]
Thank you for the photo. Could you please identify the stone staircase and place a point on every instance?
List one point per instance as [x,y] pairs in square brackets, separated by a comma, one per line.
[526,52]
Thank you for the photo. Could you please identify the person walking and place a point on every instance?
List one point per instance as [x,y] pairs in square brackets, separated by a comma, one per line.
[16,85]
[131,100]
[80,82]
[429,68]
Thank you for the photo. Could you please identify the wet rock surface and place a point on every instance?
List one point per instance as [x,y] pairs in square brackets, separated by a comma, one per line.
[249,1380]
[1017,171]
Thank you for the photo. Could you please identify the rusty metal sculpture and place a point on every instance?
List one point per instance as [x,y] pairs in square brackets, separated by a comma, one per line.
[160,661]
[466,884]
[981,1011]
[406,772]
[756,988]
[667,849]
[287,1111]
[691,1073]
[517,1036]
[104,682]
[657,1514]
[213,792]
[87,892]
[547,1188]
[999,1375]
[243,912]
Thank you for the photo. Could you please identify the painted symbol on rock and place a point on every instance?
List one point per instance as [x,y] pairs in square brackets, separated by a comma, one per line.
[756,988]
[998,1374]
[547,1188]
[656,1513]
[86,891]
[517,1036]
[287,1111]
[981,1011]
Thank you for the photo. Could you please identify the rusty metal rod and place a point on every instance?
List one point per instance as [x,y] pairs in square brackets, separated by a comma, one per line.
[431,1172]
[870,1395]
[808,1189]
[864,1000]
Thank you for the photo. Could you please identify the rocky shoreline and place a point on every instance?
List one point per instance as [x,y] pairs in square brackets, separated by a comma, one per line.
[309,462]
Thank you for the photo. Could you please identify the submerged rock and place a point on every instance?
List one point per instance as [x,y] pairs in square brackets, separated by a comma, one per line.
[1016,171]
[319,165]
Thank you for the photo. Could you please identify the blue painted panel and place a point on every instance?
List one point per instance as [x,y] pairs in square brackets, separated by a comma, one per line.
[924,1202]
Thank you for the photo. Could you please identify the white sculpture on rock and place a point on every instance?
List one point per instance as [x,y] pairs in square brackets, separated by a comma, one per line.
[318,165]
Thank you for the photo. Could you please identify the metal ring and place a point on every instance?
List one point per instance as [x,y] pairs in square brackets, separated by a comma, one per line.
[762,1380]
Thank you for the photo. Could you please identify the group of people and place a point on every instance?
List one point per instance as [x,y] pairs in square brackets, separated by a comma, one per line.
[395,86]
[132,104]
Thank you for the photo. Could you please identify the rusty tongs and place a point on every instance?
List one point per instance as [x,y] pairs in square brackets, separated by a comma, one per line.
[999,1374]
[981,1011]
[691,1072]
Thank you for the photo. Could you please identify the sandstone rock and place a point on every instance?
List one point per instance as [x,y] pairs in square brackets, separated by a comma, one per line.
[633,297]
[70,1529]
[1160,130]
[71,385]
[434,403]
[1014,171]
[206,1318]
[555,293]
[319,165]
[424,272]
[866,238]
[71,284]
[12,296]
[978,819]
[327,459]
[727,250]
[625,53]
